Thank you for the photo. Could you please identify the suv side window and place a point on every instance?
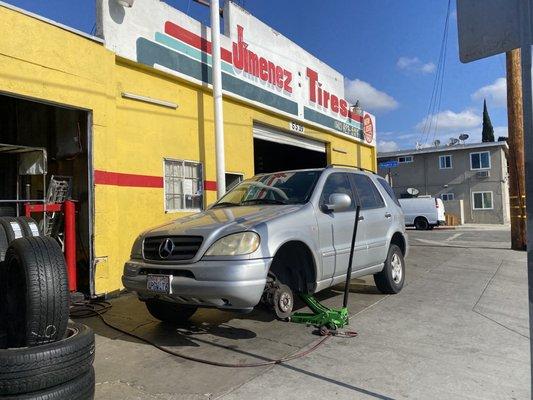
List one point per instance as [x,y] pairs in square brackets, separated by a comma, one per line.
[337,182]
[389,190]
[369,196]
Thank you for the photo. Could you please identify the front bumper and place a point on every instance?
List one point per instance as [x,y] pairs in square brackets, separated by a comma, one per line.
[235,284]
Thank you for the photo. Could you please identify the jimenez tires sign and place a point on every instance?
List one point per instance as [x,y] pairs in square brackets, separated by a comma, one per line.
[259,65]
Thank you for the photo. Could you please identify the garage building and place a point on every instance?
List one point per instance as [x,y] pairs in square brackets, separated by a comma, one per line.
[127,116]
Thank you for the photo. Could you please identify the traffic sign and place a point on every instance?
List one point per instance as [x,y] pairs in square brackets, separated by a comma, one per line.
[389,164]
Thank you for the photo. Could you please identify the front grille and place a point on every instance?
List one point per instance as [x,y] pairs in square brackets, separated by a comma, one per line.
[185,247]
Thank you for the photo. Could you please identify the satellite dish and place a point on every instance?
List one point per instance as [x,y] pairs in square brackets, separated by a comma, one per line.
[413,191]
[463,136]
[436,143]
[453,141]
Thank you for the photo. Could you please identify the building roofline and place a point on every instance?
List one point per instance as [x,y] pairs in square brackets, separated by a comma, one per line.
[51,22]
[443,149]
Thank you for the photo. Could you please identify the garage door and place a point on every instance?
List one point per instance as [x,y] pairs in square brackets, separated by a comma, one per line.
[273,135]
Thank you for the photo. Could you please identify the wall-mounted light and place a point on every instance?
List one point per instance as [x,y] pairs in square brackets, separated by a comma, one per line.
[126,3]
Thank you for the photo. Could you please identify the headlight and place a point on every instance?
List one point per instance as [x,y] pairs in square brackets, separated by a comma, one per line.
[235,245]
[137,249]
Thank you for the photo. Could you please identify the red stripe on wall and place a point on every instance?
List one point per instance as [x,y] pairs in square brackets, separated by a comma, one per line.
[194,40]
[210,185]
[133,180]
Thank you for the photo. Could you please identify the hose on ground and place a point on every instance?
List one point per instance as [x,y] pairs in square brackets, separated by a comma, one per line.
[97,308]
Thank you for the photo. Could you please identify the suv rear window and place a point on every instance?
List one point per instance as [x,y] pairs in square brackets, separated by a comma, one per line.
[389,190]
[369,196]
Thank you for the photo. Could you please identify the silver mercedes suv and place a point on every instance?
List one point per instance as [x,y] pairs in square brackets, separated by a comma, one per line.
[269,238]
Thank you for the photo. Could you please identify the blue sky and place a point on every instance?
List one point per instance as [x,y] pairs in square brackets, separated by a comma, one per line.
[387,49]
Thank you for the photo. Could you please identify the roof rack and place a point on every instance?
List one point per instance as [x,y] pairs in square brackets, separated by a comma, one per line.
[350,166]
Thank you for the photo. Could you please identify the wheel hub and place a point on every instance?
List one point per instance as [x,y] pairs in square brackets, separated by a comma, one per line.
[397,271]
[285,302]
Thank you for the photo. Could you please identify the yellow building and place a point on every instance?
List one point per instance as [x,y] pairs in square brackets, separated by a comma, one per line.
[130,118]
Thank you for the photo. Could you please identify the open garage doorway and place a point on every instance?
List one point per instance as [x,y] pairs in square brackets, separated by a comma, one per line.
[276,150]
[64,134]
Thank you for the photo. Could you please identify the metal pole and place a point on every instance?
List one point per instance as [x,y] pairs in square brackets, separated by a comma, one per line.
[525,53]
[350,261]
[217,98]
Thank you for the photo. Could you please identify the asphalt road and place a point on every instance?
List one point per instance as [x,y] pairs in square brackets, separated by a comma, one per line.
[459,330]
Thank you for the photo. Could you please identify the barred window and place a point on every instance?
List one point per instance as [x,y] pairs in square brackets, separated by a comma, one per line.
[183,185]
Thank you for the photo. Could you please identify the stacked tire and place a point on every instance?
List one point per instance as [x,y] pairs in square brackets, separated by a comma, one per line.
[45,355]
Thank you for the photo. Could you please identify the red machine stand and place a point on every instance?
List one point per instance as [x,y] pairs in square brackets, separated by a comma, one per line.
[68,208]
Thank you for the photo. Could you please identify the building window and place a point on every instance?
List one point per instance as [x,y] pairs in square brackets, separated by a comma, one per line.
[447,196]
[445,162]
[482,200]
[183,185]
[405,159]
[480,160]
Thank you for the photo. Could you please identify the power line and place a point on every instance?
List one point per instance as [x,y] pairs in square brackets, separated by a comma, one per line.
[432,117]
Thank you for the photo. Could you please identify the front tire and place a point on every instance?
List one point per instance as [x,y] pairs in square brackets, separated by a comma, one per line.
[391,279]
[168,312]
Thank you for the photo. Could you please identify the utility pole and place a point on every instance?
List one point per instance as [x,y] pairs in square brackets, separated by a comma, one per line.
[516,151]
[217,98]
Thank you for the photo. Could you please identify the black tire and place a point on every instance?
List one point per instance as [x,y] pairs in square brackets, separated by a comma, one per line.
[421,224]
[12,228]
[30,227]
[171,313]
[37,296]
[30,369]
[387,280]
[80,388]
[3,248]
[4,243]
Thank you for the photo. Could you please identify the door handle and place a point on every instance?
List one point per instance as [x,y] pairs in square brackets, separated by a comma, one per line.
[361,218]
[388,215]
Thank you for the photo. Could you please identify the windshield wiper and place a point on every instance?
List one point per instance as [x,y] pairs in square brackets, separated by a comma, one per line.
[263,201]
[225,204]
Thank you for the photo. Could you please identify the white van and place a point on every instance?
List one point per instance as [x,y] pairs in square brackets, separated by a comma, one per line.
[424,212]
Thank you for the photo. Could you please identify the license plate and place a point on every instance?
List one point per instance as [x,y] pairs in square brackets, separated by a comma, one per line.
[158,283]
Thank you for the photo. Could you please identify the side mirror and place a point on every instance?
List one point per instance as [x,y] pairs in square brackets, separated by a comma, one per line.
[338,202]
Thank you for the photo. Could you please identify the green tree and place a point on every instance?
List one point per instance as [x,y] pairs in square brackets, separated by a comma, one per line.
[487,135]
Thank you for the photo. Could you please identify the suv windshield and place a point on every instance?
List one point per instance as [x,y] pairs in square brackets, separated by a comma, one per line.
[278,188]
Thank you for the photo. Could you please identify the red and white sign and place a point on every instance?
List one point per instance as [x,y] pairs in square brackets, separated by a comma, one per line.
[290,81]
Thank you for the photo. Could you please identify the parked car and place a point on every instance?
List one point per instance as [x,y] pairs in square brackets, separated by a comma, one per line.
[271,236]
[423,212]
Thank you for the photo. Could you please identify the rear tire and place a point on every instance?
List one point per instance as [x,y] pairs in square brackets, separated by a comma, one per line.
[421,224]
[391,279]
[30,369]
[37,296]
[171,313]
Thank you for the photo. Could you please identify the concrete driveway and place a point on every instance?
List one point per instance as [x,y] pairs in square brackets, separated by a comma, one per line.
[459,330]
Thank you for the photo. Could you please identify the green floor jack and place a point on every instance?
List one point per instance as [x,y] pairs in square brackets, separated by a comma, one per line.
[323,317]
